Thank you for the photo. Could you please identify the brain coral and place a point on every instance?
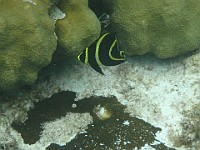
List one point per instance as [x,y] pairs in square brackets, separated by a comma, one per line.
[165,28]
[79,28]
[27,42]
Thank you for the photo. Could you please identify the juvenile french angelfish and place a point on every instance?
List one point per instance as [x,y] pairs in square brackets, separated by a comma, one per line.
[104,51]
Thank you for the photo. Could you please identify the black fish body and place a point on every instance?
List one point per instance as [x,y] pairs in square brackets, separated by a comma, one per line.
[104,51]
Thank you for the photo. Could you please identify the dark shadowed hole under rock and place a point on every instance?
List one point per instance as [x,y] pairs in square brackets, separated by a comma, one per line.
[118,132]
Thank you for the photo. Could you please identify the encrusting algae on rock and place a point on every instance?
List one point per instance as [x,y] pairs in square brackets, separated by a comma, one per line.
[27,42]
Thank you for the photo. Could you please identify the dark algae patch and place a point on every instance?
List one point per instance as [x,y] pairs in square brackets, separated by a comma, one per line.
[118,131]
[47,110]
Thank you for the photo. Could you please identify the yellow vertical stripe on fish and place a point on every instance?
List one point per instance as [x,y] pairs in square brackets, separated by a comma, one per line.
[86,55]
[110,51]
[97,49]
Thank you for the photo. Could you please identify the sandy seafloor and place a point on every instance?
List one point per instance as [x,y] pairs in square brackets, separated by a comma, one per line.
[157,91]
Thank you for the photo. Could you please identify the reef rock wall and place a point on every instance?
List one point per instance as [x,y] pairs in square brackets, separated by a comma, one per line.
[165,28]
[28,40]
[79,29]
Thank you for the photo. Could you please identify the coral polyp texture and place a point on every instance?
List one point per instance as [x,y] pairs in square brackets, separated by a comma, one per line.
[27,42]
[165,28]
[79,28]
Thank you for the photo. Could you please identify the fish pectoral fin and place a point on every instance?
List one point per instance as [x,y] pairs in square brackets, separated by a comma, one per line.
[98,69]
